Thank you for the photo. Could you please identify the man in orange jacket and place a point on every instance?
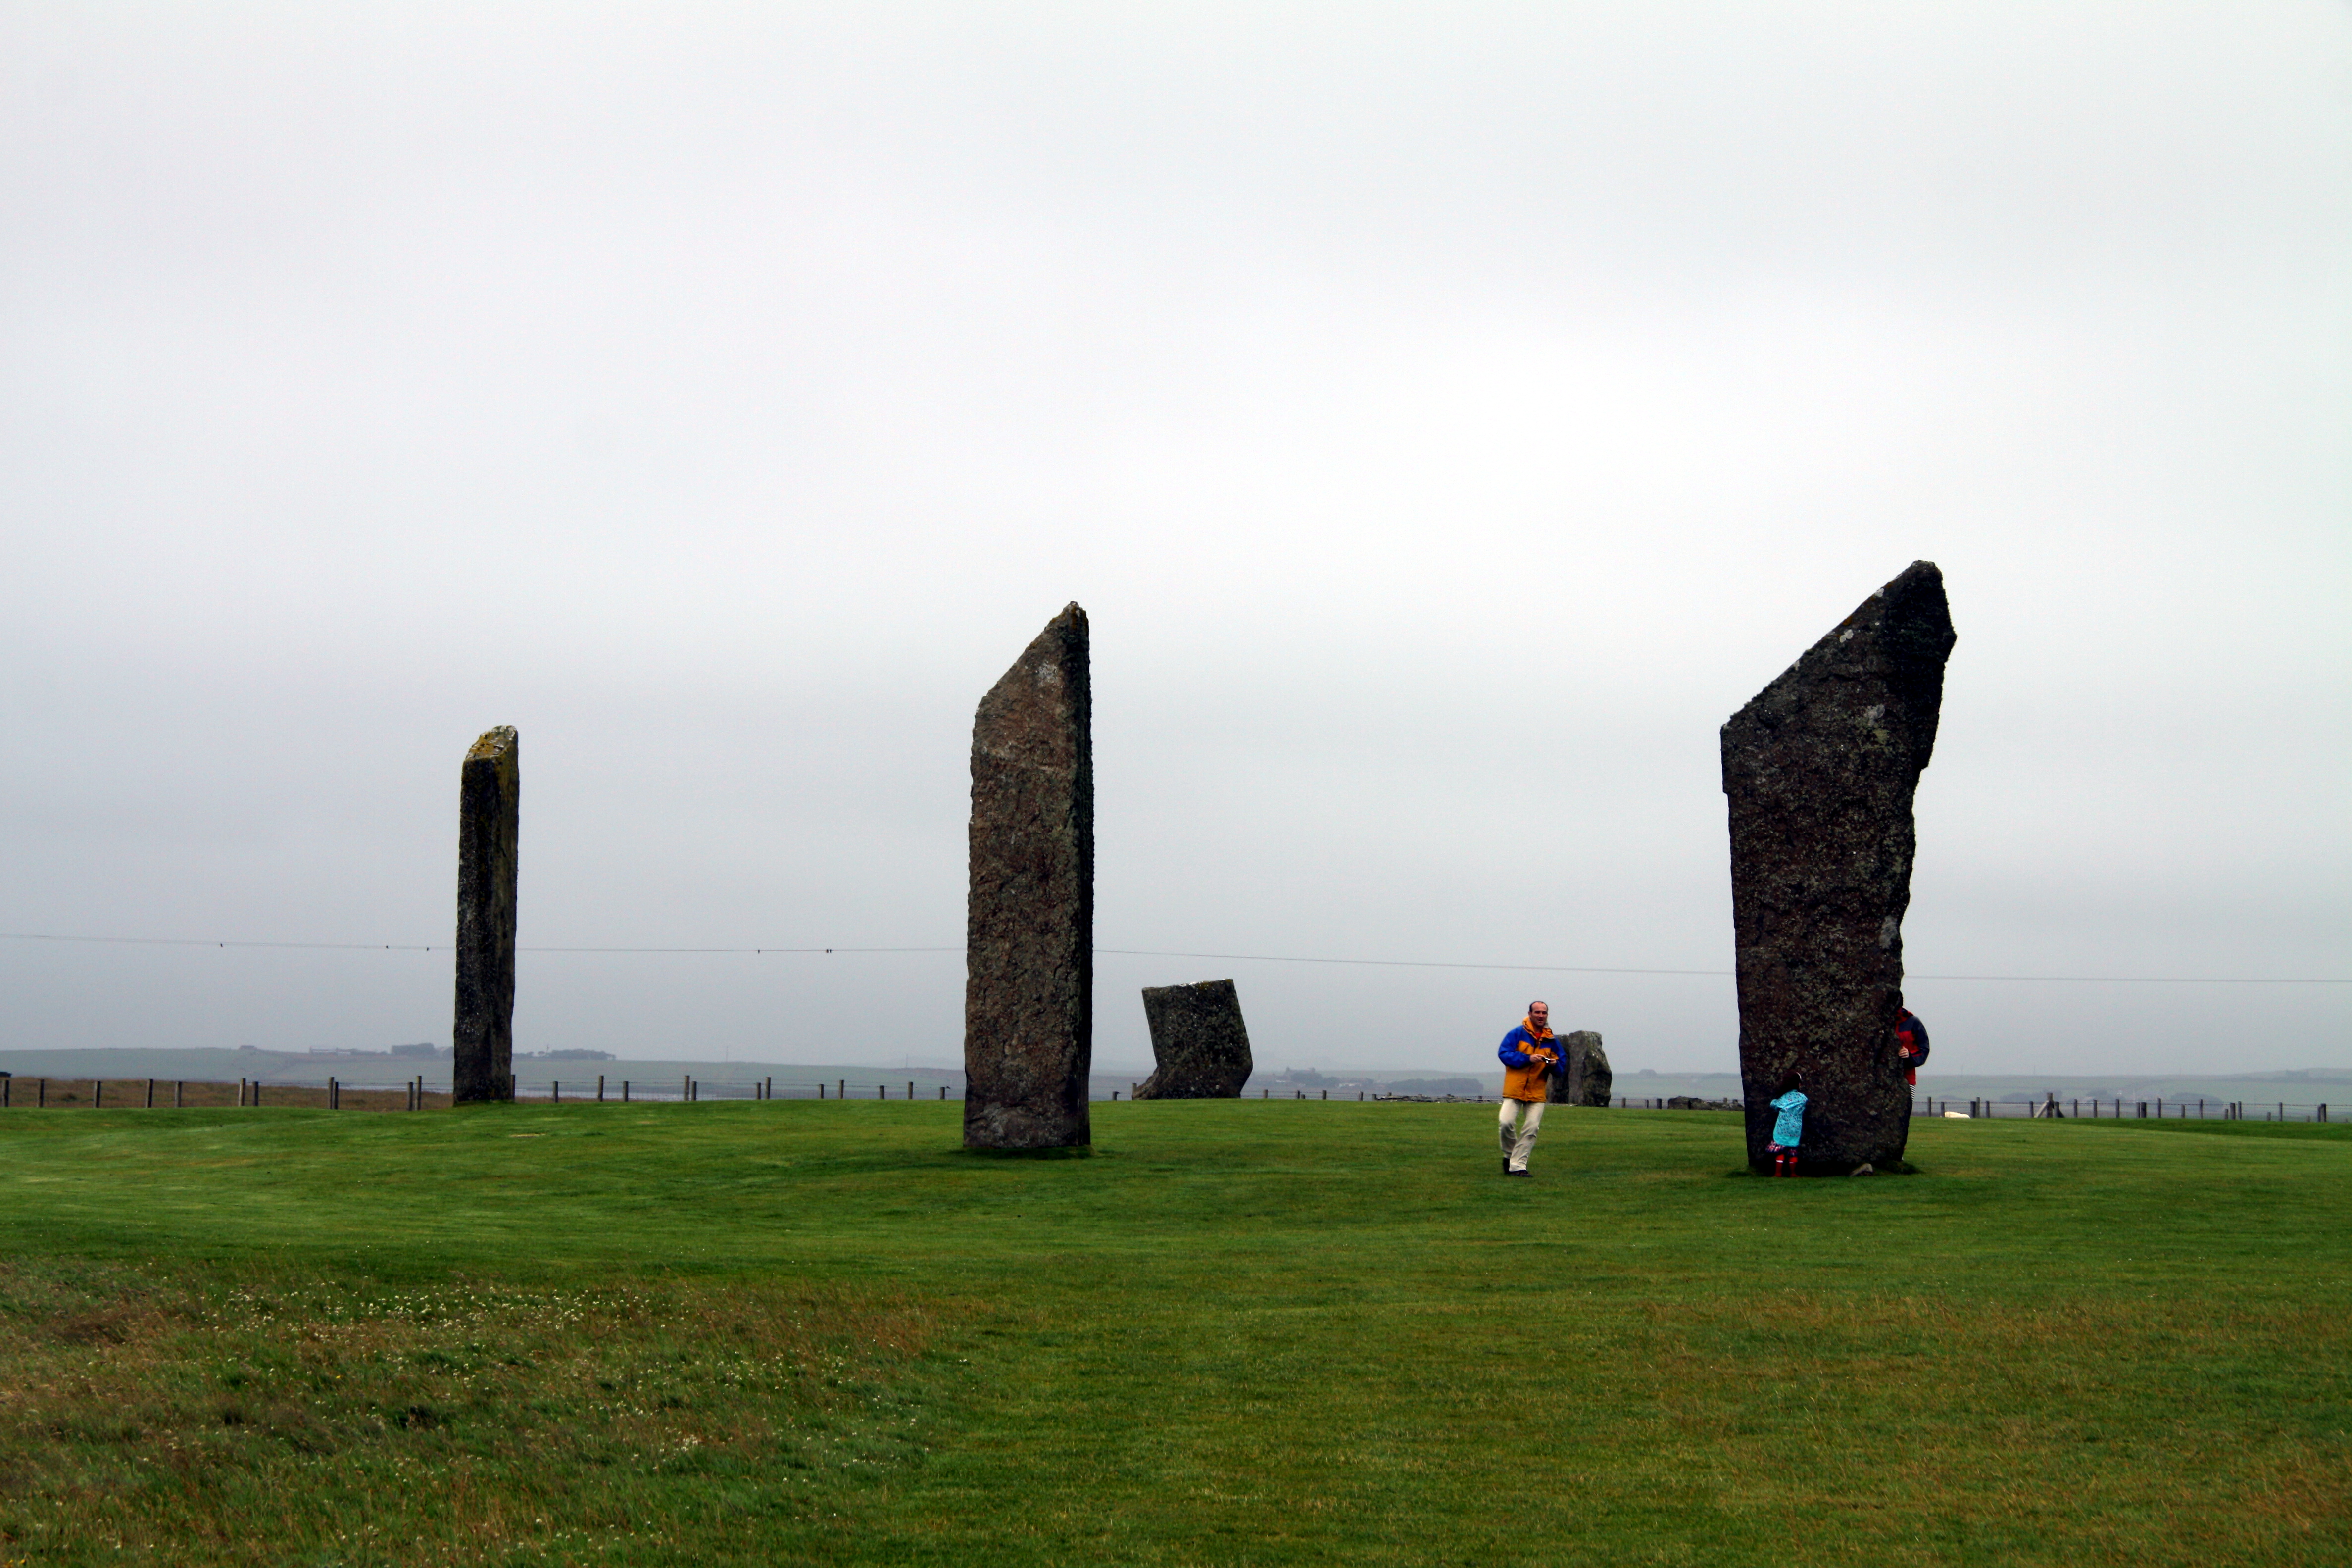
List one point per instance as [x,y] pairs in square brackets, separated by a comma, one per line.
[1528,1057]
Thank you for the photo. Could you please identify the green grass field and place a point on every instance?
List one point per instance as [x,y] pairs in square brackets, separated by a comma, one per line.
[1253,1332]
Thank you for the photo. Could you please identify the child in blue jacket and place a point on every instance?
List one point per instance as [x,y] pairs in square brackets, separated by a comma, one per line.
[1790,1130]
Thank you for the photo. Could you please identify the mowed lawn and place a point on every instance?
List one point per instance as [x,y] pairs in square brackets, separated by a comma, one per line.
[1240,1332]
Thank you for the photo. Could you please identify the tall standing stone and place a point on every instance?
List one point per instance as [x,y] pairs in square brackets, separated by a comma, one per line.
[1819,770]
[1028,1000]
[1588,1080]
[1198,1042]
[488,790]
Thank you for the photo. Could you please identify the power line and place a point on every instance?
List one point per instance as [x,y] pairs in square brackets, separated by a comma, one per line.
[1406,962]
[1156,953]
[1725,974]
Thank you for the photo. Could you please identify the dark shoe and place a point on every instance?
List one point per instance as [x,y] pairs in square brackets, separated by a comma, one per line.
[1507,1164]
[1508,1171]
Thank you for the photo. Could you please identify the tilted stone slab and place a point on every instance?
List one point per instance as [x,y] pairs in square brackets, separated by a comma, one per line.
[1028,1009]
[1819,772]
[1198,1041]
[1588,1080]
[489,789]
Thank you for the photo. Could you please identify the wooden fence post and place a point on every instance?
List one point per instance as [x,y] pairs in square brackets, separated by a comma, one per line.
[45,1096]
[625,1091]
[555,1091]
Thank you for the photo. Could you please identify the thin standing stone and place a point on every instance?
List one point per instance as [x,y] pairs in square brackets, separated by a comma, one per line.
[1819,772]
[489,787]
[1028,1013]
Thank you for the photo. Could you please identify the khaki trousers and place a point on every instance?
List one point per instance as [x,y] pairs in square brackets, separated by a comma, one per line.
[1518,1142]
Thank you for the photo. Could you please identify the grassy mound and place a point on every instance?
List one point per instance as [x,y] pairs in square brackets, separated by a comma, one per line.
[1262,1332]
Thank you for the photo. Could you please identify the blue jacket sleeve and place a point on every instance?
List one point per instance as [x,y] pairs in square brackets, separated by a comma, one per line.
[1510,1054]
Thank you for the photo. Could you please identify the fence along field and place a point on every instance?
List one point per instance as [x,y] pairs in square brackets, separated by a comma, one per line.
[149,1094]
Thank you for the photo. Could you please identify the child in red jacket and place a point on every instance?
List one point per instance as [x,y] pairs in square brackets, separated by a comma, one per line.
[1910,1043]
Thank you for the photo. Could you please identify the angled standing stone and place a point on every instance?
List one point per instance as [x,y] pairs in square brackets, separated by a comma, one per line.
[1588,1080]
[489,789]
[1028,1000]
[1198,1040]
[1819,770]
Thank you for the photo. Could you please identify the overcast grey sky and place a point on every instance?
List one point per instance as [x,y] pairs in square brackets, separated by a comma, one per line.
[1447,415]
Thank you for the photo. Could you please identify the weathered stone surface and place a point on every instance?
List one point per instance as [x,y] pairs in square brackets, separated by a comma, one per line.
[1198,1042]
[1028,1008]
[1588,1080]
[489,787]
[1819,772]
